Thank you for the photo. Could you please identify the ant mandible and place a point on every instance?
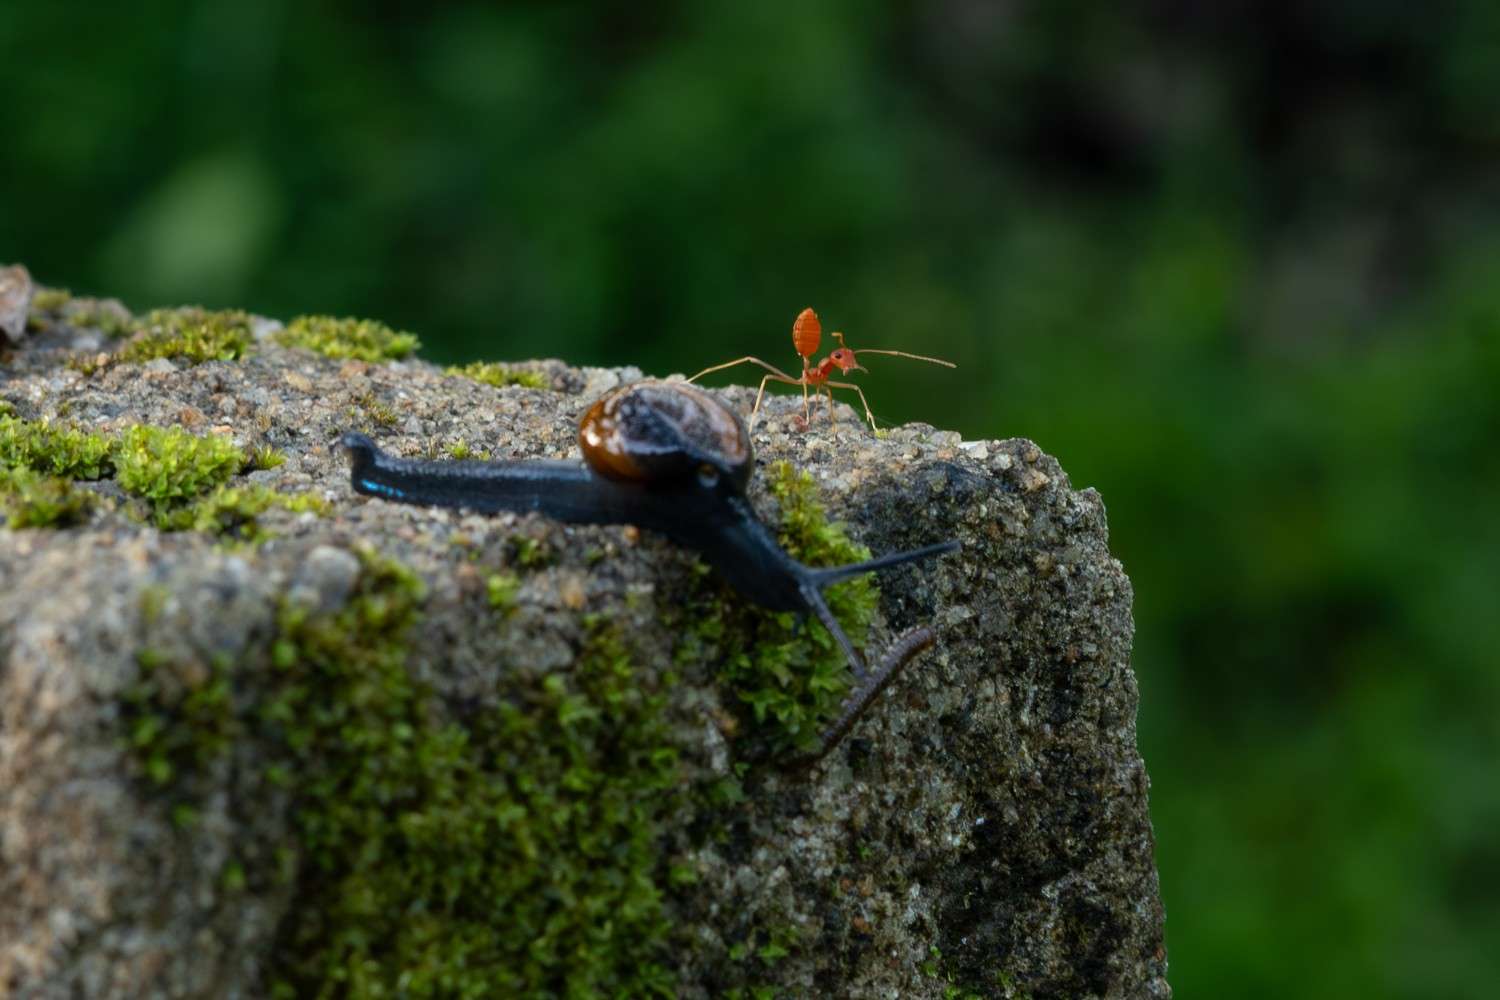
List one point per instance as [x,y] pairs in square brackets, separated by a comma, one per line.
[807,333]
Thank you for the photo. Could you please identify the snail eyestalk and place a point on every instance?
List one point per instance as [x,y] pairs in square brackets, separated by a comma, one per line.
[897,656]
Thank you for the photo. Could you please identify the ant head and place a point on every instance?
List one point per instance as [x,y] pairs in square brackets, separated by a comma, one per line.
[844,358]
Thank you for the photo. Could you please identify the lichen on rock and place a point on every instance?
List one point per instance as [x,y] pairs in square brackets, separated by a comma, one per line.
[390,751]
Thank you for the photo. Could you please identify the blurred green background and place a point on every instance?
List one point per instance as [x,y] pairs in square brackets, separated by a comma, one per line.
[1236,264]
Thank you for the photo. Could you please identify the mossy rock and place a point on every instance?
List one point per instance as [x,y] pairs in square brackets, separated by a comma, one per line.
[262,736]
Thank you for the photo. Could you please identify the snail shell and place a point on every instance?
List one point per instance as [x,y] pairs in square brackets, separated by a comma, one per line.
[663,432]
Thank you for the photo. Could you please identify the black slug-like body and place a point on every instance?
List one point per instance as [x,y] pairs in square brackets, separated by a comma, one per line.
[663,456]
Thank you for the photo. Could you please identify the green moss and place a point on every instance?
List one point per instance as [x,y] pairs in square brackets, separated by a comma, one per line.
[522,854]
[500,375]
[191,334]
[373,410]
[234,511]
[959,993]
[31,500]
[87,363]
[166,466]
[266,457]
[516,855]
[109,318]
[153,602]
[531,553]
[37,461]
[791,677]
[179,718]
[778,945]
[50,299]
[169,465]
[502,590]
[232,877]
[57,450]
[50,305]
[363,339]
[45,304]
[933,968]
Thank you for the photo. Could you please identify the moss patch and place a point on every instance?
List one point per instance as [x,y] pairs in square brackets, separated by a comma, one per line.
[181,477]
[54,449]
[362,339]
[502,590]
[461,450]
[266,457]
[500,375]
[167,465]
[190,335]
[372,409]
[31,500]
[234,511]
[105,315]
[52,305]
[790,677]
[514,855]
[50,299]
[934,968]
[179,717]
[38,462]
[524,859]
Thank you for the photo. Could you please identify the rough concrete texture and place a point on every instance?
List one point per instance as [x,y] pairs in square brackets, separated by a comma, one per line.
[983,832]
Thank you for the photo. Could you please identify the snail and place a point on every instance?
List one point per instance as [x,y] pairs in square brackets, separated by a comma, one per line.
[668,457]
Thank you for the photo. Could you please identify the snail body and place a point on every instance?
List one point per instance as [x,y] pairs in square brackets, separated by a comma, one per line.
[665,456]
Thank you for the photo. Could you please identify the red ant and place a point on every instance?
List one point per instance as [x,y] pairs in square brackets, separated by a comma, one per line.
[807,333]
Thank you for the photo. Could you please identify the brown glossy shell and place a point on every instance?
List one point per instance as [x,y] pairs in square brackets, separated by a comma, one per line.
[660,431]
[807,333]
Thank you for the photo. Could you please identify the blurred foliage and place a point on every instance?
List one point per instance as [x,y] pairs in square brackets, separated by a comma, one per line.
[1237,265]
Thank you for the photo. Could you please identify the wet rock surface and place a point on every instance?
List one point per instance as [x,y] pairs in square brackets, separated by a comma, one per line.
[983,831]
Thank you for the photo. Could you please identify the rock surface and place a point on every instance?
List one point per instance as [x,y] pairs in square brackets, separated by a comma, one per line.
[15,300]
[983,832]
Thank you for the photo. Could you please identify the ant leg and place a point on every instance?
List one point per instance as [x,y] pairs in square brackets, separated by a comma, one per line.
[864,402]
[755,410]
[742,361]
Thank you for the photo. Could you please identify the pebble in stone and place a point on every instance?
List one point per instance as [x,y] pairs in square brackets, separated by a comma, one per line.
[325,578]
